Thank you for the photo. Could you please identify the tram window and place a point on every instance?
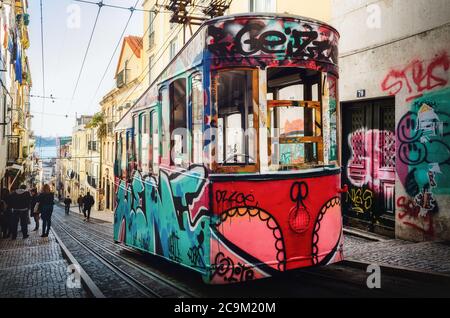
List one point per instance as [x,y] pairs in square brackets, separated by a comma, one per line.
[144,140]
[131,151]
[122,154]
[236,136]
[178,125]
[119,155]
[292,92]
[165,132]
[154,146]
[294,110]
[131,144]
[197,119]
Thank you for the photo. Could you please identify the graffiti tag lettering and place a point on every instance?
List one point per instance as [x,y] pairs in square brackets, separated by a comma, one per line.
[417,77]
[409,214]
[361,200]
[229,199]
[238,40]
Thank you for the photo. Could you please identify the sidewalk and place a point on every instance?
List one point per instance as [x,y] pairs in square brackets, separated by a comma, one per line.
[34,268]
[428,257]
[99,215]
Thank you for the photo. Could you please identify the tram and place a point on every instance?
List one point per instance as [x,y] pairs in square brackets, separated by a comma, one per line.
[228,163]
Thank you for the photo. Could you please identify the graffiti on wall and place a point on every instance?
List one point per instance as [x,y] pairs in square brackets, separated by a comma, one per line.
[271,42]
[370,150]
[409,213]
[360,200]
[424,158]
[418,77]
[372,159]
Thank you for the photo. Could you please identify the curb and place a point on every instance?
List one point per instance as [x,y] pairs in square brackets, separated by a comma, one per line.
[366,235]
[86,280]
[401,271]
[92,217]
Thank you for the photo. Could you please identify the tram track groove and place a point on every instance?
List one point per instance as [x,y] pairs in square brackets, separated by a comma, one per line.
[155,278]
[145,291]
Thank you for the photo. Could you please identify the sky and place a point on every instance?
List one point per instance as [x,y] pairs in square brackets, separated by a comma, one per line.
[65,42]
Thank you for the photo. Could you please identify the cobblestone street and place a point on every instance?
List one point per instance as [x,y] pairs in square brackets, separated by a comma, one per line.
[34,268]
[431,257]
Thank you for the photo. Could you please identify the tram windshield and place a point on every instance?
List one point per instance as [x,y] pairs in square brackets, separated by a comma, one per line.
[236,133]
[300,116]
[294,111]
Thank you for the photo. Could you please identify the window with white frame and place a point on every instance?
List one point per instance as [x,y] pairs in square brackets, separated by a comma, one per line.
[173,47]
[151,29]
[262,5]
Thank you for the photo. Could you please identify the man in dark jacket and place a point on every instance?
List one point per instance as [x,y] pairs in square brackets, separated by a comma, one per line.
[20,201]
[67,203]
[88,202]
[80,203]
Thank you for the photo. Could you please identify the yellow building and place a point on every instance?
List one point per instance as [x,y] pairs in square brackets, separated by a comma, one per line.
[79,153]
[15,135]
[128,89]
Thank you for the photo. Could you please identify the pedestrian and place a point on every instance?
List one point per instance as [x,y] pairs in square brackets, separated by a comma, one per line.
[67,203]
[46,201]
[80,203]
[88,202]
[20,201]
[5,215]
[34,209]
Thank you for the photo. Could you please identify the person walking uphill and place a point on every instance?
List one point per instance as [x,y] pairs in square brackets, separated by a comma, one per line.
[80,203]
[34,209]
[20,201]
[46,201]
[88,202]
[67,203]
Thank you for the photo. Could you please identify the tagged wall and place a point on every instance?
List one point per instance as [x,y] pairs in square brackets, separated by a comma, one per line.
[407,56]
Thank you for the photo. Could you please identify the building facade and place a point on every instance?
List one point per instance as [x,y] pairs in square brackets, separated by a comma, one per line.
[63,148]
[16,144]
[395,95]
[92,165]
[129,77]
[79,152]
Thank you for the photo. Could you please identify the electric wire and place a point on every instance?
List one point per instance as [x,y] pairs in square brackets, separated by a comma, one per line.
[132,55]
[43,66]
[87,50]
[114,52]
[167,43]
[113,6]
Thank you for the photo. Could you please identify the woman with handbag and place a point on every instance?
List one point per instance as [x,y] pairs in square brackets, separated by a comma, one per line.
[34,209]
[46,201]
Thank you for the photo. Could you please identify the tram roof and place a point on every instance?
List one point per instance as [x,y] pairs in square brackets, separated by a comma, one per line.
[267,15]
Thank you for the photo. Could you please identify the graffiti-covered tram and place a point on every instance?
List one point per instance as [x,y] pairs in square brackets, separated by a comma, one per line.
[228,163]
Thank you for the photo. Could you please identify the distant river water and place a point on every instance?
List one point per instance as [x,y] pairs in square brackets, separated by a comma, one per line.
[46,152]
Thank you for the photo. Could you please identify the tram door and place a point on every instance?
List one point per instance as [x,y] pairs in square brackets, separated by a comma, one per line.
[368,131]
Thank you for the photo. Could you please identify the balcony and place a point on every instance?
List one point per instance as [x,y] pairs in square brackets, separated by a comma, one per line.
[110,128]
[13,150]
[92,181]
[121,79]
[151,40]
[93,145]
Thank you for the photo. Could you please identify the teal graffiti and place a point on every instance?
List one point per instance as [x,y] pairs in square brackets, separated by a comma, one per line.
[158,216]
